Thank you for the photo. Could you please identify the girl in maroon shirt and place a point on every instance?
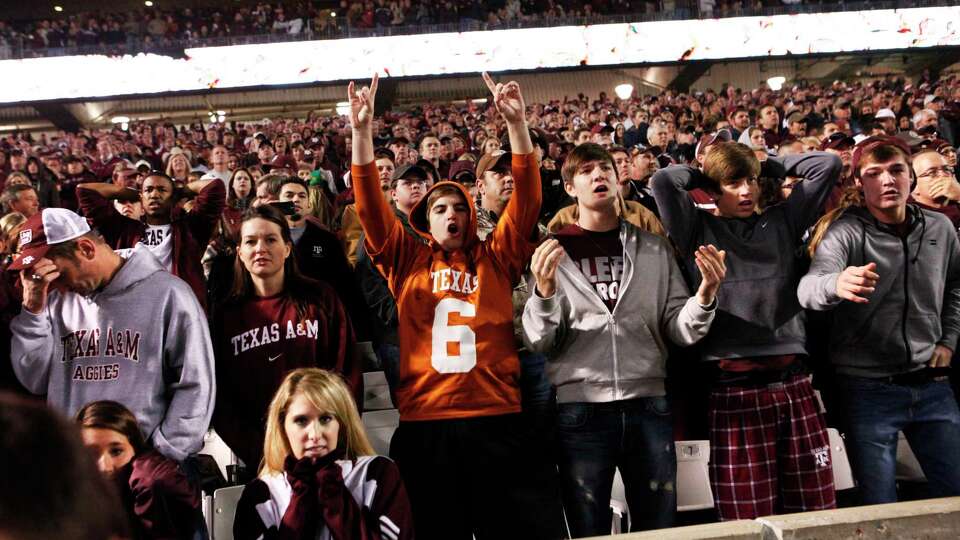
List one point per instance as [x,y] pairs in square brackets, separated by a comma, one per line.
[273,321]
[159,500]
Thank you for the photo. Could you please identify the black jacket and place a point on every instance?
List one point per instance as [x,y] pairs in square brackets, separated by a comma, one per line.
[320,256]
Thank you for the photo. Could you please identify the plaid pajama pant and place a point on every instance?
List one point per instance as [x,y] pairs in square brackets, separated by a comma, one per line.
[769,450]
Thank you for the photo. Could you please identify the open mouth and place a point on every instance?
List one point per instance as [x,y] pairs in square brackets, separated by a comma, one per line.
[745,204]
[453,229]
[601,189]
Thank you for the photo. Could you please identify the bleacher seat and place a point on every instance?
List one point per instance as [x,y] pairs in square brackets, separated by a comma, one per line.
[376,392]
[380,426]
[224,509]
[842,474]
[618,503]
[908,468]
[693,476]
[214,447]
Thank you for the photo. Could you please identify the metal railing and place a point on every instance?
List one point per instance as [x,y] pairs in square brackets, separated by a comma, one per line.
[20,48]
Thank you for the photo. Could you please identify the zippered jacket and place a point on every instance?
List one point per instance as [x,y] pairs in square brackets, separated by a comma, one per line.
[915,305]
[598,355]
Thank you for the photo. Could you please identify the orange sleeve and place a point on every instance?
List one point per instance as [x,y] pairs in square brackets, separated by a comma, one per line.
[511,240]
[390,246]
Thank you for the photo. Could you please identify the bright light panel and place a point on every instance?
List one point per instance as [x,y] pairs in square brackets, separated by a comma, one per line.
[308,62]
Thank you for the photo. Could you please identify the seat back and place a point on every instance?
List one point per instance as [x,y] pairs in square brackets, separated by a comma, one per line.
[376,393]
[214,447]
[908,468]
[224,510]
[380,426]
[693,476]
[842,474]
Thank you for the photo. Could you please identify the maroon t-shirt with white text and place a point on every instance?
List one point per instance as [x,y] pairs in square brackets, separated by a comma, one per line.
[257,342]
[599,255]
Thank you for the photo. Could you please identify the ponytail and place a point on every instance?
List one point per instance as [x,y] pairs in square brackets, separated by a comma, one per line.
[852,196]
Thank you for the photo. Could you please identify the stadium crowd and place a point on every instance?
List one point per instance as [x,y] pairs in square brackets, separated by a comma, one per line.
[554,290]
[157,28]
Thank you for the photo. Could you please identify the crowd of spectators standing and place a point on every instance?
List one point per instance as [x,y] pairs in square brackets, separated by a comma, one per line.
[156,27]
[213,267]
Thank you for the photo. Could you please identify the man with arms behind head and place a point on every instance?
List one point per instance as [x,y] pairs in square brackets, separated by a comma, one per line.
[178,239]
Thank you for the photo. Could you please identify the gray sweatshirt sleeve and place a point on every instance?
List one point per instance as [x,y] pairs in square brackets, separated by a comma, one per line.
[32,349]
[950,314]
[677,210]
[189,378]
[818,289]
[542,321]
[684,321]
[820,172]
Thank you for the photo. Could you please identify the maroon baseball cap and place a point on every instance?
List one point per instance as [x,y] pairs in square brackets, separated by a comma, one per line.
[49,227]
[709,139]
[838,141]
[872,142]
[462,171]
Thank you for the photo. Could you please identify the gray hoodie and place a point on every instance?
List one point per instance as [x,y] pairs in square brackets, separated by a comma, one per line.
[142,341]
[596,355]
[915,305]
[758,313]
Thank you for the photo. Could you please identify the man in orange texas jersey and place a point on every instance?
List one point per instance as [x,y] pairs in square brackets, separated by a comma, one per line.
[471,464]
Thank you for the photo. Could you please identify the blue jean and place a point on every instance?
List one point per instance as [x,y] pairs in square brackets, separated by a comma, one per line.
[596,438]
[874,411]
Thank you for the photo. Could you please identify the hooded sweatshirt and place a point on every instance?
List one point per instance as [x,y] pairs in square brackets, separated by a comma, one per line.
[915,305]
[758,313]
[600,355]
[458,358]
[141,341]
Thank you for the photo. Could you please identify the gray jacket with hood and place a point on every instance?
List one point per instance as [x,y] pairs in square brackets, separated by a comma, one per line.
[142,341]
[915,305]
[596,355]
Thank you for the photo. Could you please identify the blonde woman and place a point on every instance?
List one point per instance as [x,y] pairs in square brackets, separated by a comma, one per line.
[178,167]
[319,477]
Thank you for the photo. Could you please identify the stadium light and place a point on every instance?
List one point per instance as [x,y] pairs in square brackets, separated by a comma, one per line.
[58,9]
[148,3]
[124,121]
[624,91]
[343,108]
[333,14]
[776,83]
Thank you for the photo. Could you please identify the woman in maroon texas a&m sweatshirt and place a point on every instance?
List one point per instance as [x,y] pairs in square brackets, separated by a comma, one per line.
[274,320]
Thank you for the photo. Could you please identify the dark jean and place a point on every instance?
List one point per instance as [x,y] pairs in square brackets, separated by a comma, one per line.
[594,440]
[875,411]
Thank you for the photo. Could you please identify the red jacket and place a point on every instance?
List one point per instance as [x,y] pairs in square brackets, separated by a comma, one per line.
[191,230]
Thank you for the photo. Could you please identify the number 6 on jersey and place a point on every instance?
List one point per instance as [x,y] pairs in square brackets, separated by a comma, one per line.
[444,334]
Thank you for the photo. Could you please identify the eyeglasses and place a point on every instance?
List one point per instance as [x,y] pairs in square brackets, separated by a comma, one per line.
[946,171]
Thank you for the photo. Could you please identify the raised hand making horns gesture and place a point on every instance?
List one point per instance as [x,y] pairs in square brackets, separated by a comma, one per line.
[507,99]
[509,102]
[361,103]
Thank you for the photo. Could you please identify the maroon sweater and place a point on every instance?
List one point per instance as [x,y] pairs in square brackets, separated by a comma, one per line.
[159,500]
[258,341]
[191,230]
[331,498]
